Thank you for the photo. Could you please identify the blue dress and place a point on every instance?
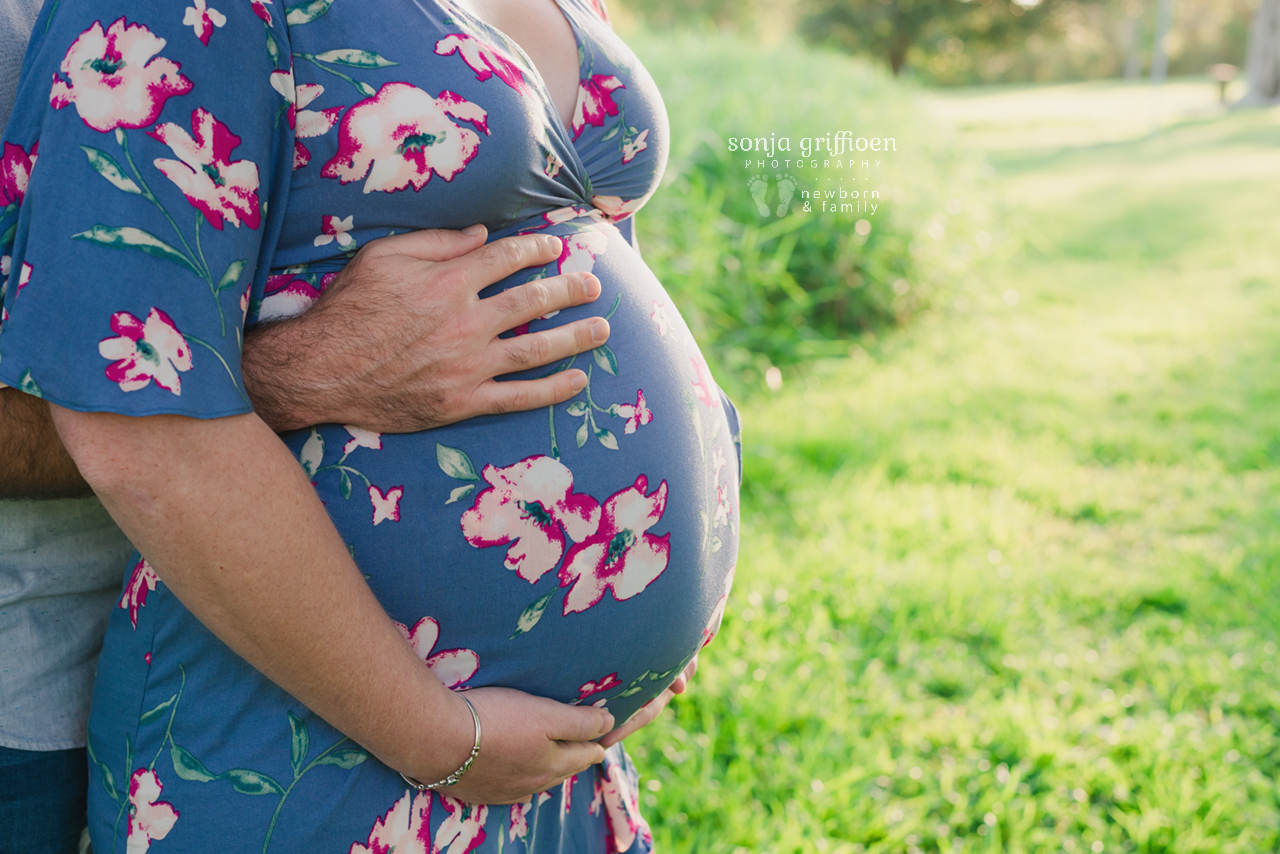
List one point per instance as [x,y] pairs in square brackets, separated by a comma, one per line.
[173,173]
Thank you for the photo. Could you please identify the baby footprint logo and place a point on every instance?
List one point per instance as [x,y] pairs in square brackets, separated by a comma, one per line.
[786,189]
[759,186]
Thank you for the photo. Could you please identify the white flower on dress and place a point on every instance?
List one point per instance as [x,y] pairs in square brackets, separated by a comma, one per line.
[618,208]
[519,824]
[622,810]
[634,146]
[405,829]
[451,666]
[463,830]
[219,187]
[385,506]
[142,581]
[203,19]
[402,136]
[149,817]
[659,316]
[332,228]
[637,415]
[307,124]
[115,78]
[620,556]
[154,350]
[530,505]
[361,438]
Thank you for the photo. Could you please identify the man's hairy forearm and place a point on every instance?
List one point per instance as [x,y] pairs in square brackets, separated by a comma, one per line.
[33,462]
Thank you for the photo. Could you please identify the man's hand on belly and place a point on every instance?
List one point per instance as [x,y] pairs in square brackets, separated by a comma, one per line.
[401,342]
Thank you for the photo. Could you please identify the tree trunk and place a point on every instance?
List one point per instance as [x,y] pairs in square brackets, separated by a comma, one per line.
[1262,63]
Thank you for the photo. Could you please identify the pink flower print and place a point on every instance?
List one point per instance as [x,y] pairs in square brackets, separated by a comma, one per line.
[717,460]
[405,829]
[595,101]
[24,278]
[543,797]
[361,438]
[463,830]
[260,9]
[637,416]
[15,172]
[142,581]
[601,11]
[723,508]
[597,797]
[620,555]
[216,185]
[595,686]
[203,19]
[705,386]
[402,135]
[385,506]
[149,817]
[580,250]
[717,615]
[113,79]
[552,167]
[566,795]
[244,303]
[332,228]
[451,666]
[634,146]
[531,505]
[519,823]
[154,350]
[307,124]
[616,208]
[484,59]
[286,296]
[659,316]
[621,811]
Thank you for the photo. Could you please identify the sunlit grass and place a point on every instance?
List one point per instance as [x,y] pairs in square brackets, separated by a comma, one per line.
[1010,578]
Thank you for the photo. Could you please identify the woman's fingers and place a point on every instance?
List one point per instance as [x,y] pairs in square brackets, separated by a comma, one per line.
[648,714]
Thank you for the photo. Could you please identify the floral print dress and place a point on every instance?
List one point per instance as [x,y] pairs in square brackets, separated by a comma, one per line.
[177,171]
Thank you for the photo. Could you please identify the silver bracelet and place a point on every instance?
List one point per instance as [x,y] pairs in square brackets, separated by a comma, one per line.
[456,775]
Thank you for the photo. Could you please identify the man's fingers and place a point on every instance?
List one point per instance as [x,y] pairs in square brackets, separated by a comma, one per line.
[429,244]
[495,398]
[528,302]
[497,260]
[551,345]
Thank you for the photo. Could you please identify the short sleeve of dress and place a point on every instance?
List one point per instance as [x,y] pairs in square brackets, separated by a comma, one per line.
[144,175]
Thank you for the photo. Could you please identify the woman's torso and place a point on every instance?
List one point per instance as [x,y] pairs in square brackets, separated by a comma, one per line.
[581,552]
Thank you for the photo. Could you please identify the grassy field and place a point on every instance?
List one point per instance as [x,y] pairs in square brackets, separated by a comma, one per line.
[1010,577]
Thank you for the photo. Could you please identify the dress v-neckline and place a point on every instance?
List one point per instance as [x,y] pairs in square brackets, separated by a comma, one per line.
[549,103]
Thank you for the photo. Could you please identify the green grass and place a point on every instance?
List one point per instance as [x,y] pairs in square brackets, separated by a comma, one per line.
[1010,577]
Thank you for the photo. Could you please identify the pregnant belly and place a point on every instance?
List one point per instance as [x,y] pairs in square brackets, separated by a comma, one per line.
[581,552]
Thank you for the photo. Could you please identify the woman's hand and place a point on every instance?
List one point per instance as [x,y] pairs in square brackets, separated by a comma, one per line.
[649,712]
[529,744]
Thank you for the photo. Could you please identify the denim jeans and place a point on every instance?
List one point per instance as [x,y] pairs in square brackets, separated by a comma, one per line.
[42,800]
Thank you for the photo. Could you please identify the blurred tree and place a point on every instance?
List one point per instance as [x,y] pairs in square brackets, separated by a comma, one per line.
[890,29]
[1262,63]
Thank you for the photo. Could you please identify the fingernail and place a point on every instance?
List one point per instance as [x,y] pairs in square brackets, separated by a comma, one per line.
[473,230]
[555,243]
[608,723]
[599,331]
[591,283]
[578,383]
